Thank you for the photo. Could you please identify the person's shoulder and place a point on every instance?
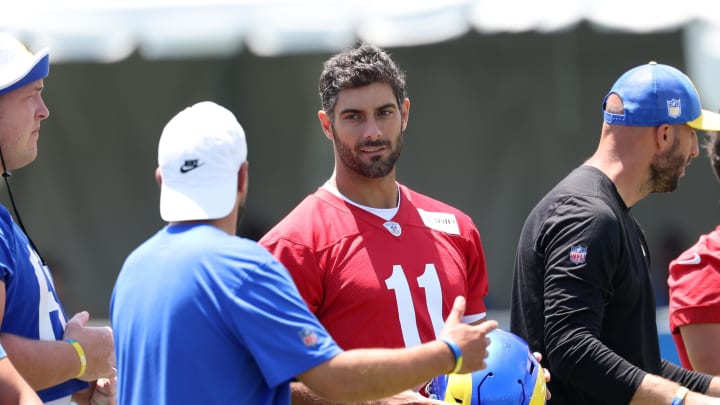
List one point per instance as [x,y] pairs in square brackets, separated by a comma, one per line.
[239,249]
[249,248]
[705,253]
[564,207]
[708,241]
[714,237]
[577,208]
[7,230]
[439,215]
[584,188]
[6,220]
[310,220]
[318,203]
[427,203]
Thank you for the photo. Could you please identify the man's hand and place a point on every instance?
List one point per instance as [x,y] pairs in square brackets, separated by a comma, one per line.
[97,343]
[105,392]
[546,373]
[471,339]
[100,392]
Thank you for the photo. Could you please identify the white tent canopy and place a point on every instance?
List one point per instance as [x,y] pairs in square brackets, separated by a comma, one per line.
[108,31]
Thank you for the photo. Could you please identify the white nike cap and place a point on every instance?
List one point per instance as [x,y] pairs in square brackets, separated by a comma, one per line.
[200,153]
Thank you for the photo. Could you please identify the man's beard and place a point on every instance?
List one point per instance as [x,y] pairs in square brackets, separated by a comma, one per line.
[378,167]
[665,171]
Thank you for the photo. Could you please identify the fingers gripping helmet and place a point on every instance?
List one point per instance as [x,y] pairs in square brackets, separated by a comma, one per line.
[512,376]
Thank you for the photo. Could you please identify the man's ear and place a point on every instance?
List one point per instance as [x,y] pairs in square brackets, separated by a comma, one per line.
[158,176]
[243,177]
[326,124]
[405,113]
[664,136]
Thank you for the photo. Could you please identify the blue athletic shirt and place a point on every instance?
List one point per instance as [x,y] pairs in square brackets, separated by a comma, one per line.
[32,308]
[202,317]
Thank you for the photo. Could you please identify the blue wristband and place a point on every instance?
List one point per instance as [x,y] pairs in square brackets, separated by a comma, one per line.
[679,397]
[456,352]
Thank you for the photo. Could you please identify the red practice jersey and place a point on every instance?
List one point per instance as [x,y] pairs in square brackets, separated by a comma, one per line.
[378,283]
[694,283]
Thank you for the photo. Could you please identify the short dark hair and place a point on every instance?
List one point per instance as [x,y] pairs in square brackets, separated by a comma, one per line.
[359,67]
[712,145]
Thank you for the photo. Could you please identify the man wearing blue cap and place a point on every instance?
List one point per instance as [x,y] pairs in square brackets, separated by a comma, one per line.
[57,356]
[582,293]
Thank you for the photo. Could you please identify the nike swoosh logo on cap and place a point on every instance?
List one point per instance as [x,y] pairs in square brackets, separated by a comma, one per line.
[694,260]
[190,165]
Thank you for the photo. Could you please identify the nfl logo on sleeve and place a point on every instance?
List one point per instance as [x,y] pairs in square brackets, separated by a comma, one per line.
[308,337]
[578,254]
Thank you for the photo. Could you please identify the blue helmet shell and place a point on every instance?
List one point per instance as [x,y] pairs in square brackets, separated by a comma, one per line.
[512,377]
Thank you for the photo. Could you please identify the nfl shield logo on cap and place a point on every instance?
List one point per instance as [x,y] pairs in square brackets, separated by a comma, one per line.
[674,107]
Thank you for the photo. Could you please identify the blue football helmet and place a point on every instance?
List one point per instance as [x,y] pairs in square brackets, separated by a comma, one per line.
[512,377]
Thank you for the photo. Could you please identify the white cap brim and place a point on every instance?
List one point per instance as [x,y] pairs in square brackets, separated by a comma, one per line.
[198,203]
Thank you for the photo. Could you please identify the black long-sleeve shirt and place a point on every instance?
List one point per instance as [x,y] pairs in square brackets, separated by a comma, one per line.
[583,297]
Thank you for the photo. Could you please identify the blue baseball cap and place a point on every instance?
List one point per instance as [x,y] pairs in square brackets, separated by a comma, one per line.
[655,94]
[19,66]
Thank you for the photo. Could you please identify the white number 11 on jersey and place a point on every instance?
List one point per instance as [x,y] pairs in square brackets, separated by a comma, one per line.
[428,281]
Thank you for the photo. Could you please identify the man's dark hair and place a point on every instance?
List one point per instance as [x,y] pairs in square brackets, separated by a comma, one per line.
[358,67]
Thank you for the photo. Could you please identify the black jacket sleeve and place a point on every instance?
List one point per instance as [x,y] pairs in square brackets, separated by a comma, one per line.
[577,294]
[697,382]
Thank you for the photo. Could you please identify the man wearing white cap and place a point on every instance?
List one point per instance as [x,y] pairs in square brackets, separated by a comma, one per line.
[57,357]
[202,316]
[582,291]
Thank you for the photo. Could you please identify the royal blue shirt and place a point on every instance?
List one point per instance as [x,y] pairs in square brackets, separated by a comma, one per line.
[204,317]
[32,307]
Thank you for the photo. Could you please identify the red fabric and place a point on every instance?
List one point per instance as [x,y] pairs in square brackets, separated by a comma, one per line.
[359,278]
[694,288]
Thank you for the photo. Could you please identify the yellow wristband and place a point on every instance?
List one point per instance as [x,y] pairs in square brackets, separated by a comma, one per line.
[679,398]
[81,354]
